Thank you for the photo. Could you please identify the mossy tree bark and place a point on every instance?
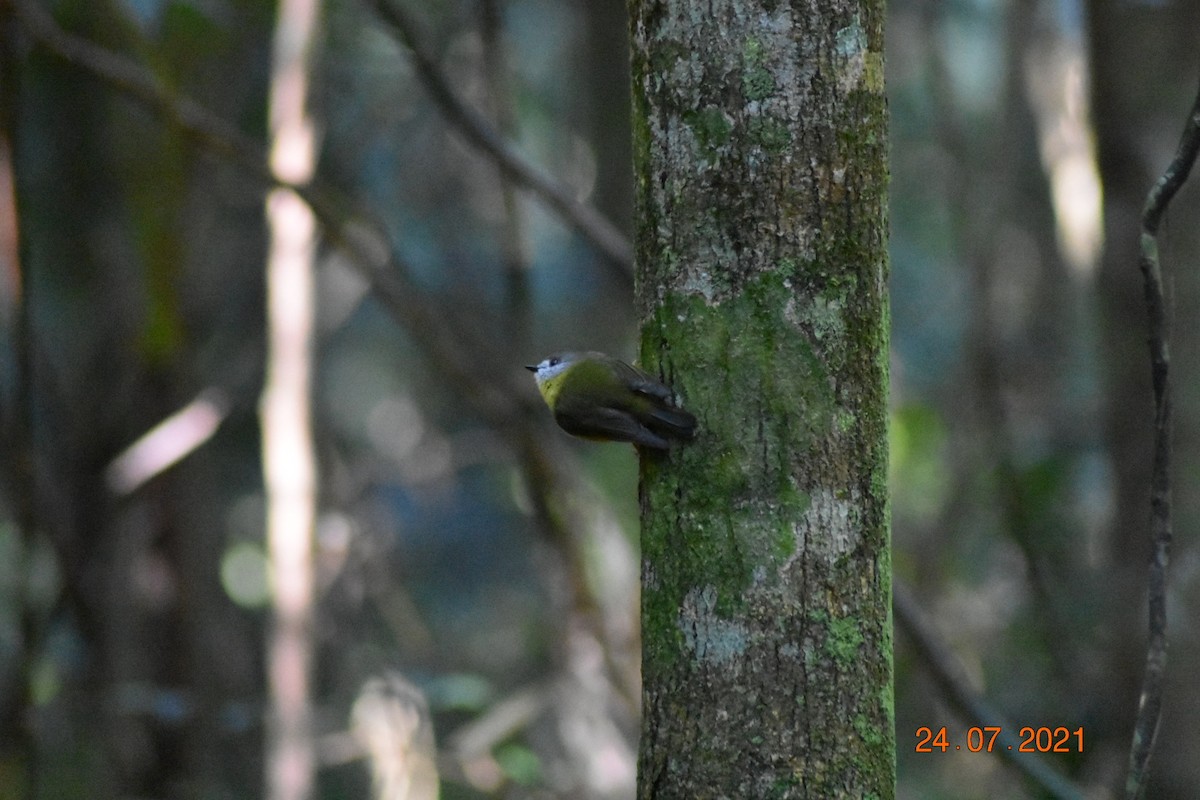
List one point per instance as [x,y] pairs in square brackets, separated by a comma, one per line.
[760,146]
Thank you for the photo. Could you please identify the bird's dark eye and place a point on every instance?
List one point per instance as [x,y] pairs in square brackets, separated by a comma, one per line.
[554,362]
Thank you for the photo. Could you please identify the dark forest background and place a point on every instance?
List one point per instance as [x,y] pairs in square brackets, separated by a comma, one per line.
[133,613]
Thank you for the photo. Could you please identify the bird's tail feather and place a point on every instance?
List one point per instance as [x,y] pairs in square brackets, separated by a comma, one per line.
[673,422]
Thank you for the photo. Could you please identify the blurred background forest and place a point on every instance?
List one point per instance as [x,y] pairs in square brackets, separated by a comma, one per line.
[460,540]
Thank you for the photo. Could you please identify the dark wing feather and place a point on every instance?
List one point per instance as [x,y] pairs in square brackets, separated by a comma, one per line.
[663,417]
[642,382]
[672,421]
[610,423]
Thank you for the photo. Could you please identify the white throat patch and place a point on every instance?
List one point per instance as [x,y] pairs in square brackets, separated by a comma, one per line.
[547,370]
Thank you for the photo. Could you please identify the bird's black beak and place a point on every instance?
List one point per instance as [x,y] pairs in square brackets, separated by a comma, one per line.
[531,367]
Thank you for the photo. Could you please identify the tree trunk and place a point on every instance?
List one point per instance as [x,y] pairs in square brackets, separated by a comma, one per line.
[289,458]
[760,152]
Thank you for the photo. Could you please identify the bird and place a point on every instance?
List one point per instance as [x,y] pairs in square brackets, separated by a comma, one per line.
[595,396]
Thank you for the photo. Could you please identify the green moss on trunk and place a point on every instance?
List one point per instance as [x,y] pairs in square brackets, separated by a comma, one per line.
[761,161]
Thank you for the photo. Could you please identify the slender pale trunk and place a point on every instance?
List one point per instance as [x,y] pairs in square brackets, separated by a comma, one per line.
[288,460]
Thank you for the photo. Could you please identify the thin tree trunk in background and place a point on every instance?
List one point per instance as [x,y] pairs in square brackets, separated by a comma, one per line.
[288,460]
[760,135]
[512,229]
[604,63]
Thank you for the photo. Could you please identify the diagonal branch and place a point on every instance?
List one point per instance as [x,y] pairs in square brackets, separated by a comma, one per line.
[359,234]
[483,136]
[1158,305]
[947,672]
[362,237]
[211,131]
[468,364]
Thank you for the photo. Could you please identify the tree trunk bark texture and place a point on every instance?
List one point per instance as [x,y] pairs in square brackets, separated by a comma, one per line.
[760,133]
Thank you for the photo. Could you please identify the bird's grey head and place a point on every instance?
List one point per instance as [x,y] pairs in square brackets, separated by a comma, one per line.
[552,365]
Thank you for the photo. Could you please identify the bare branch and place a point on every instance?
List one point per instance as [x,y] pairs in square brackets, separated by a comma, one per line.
[168,442]
[483,136]
[1157,304]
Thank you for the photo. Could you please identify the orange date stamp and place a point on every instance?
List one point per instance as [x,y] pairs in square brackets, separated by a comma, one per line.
[990,738]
